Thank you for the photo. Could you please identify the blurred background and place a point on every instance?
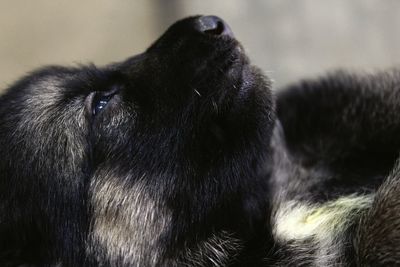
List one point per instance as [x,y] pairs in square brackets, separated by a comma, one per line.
[287,39]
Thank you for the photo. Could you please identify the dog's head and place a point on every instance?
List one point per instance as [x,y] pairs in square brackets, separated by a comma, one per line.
[137,161]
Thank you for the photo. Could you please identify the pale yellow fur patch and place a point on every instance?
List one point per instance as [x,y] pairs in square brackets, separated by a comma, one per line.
[299,221]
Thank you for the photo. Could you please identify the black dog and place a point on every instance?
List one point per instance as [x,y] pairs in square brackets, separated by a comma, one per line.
[174,158]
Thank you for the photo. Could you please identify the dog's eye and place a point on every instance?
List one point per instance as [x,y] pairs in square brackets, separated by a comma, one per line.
[99,103]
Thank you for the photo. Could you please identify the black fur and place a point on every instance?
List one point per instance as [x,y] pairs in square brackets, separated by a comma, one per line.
[190,121]
[339,134]
[186,164]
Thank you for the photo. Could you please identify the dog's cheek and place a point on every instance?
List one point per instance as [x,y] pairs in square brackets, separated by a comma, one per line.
[126,222]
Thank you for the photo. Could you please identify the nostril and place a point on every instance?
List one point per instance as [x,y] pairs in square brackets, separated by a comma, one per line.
[217,30]
[213,25]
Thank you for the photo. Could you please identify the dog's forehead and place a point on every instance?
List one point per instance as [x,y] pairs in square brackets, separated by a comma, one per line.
[133,61]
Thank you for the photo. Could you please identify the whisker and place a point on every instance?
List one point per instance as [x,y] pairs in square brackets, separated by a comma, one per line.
[197,92]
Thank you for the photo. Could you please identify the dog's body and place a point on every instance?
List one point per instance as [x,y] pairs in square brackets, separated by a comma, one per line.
[179,157]
[335,146]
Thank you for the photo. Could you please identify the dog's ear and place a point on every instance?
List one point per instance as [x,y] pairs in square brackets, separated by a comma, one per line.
[378,237]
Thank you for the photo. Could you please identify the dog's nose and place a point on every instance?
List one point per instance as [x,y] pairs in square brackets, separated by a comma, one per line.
[213,25]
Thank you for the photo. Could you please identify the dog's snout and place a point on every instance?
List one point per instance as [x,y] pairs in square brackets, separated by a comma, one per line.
[204,32]
[213,25]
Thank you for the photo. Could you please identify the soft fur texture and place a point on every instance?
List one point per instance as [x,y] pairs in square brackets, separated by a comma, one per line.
[180,156]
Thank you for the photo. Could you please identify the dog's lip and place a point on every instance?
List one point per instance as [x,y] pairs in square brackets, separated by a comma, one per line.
[235,59]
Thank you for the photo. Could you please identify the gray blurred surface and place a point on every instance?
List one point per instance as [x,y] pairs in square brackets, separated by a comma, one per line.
[287,39]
